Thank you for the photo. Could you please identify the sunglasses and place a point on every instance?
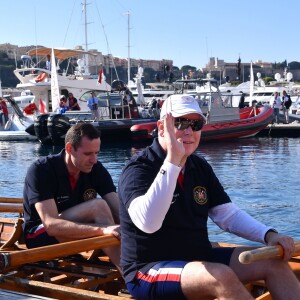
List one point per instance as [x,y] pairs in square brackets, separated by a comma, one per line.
[182,124]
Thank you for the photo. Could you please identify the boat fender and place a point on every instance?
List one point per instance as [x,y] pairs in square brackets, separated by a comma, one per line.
[41,77]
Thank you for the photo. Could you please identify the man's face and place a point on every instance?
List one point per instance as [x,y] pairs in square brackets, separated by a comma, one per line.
[189,137]
[85,156]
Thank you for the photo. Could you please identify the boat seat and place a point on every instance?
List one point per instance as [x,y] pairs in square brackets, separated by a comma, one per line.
[11,234]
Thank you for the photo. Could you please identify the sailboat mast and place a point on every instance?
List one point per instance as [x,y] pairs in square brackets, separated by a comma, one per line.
[85,25]
[86,37]
[128,25]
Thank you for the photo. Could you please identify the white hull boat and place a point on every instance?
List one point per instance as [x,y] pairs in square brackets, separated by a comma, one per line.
[15,128]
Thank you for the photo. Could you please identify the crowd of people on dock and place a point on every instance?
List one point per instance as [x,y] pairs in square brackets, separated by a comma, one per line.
[165,196]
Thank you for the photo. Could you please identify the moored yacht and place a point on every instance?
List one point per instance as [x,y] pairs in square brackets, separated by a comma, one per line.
[38,79]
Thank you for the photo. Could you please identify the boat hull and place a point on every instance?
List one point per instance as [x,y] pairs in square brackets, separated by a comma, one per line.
[248,125]
[51,129]
[21,135]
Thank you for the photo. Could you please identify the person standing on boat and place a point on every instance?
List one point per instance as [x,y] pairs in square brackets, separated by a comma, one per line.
[63,107]
[3,112]
[285,105]
[48,62]
[73,104]
[166,195]
[242,101]
[60,194]
[92,104]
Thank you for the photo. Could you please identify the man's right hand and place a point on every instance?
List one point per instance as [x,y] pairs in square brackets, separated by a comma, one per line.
[175,148]
[114,230]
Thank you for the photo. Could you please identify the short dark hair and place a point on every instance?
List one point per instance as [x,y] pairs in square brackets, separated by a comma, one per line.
[80,130]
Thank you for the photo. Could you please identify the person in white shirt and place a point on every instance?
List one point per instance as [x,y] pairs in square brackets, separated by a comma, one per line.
[48,63]
[276,108]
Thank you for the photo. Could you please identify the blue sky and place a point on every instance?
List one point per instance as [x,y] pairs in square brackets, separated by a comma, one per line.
[188,32]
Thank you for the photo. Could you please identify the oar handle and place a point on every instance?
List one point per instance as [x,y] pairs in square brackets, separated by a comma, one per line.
[268,252]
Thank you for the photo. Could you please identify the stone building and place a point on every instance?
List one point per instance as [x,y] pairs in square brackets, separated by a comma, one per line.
[220,69]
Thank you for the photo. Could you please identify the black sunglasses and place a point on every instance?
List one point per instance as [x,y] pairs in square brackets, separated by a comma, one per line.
[182,124]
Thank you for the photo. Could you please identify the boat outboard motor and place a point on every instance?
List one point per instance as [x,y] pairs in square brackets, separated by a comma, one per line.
[40,129]
[30,129]
[58,125]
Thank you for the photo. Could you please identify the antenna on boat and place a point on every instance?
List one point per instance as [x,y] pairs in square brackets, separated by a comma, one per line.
[128,27]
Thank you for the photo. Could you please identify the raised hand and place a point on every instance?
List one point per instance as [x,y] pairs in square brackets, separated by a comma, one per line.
[175,147]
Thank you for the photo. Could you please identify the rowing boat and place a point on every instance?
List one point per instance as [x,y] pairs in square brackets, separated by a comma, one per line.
[79,269]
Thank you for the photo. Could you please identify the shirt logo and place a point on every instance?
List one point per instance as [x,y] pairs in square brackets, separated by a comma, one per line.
[200,195]
[175,197]
[89,194]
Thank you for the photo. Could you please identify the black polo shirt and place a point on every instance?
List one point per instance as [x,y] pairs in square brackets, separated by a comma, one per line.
[48,178]
[183,235]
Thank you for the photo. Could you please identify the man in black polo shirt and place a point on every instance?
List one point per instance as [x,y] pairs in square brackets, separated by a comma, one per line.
[60,194]
[165,249]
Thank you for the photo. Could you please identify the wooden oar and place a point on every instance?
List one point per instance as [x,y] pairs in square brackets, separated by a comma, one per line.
[17,258]
[10,200]
[268,252]
[11,207]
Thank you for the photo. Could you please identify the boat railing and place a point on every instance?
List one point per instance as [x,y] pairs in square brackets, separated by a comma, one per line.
[27,75]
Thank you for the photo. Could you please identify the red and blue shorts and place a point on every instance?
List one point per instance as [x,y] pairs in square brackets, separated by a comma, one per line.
[162,281]
[38,237]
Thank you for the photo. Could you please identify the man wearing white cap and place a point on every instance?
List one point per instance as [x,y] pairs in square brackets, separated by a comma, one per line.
[165,249]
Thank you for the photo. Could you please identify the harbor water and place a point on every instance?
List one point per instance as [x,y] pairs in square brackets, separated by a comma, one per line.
[261,175]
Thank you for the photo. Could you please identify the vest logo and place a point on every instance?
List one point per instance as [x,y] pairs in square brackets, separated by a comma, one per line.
[200,195]
[89,194]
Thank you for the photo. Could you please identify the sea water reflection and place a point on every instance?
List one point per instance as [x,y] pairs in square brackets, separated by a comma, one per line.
[261,175]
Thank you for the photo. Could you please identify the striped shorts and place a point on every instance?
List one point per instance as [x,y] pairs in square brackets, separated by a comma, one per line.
[38,237]
[162,281]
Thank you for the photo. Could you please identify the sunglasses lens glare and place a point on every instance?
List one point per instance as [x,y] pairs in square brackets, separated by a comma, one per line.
[182,124]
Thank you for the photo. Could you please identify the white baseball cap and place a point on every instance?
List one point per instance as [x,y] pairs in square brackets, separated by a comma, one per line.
[180,105]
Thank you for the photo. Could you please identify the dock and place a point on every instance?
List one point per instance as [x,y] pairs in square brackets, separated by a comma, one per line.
[291,130]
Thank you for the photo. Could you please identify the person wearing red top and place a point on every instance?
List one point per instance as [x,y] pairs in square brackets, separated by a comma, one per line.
[3,112]
[73,104]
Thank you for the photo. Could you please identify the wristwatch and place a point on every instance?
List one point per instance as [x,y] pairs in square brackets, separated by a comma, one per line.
[270,230]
